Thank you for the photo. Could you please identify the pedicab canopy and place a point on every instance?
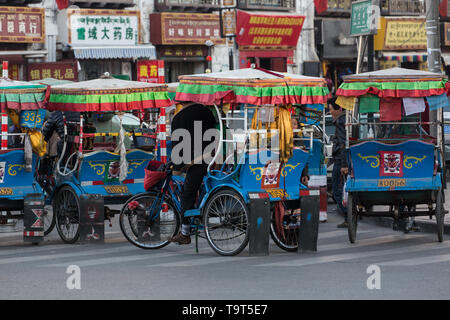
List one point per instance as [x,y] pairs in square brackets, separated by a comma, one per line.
[108,94]
[252,86]
[385,91]
[18,96]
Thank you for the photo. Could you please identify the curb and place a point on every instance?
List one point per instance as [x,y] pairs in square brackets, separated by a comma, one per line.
[425,226]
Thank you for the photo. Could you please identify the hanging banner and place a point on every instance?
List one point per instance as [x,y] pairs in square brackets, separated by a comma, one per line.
[150,71]
[22,24]
[268,30]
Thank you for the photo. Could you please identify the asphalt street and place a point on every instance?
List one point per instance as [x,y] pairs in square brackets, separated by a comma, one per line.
[409,266]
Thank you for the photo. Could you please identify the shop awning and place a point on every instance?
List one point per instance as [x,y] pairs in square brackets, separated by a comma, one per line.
[406,56]
[128,52]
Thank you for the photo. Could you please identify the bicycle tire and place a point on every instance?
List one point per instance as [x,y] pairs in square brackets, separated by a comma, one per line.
[134,237]
[286,245]
[227,220]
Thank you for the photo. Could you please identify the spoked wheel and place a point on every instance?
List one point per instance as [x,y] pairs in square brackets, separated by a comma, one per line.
[352,218]
[225,220]
[150,224]
[440,215]
[284,230]
[49,219]
[66,209]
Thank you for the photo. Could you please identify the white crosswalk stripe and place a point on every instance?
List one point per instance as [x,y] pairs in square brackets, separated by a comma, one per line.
[417,261]
[351,256]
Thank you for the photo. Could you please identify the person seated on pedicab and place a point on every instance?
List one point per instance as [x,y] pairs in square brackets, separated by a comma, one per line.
[190,154]
[55,123]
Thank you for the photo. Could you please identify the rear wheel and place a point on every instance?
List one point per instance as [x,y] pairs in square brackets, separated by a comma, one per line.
[66,209]
[49,219]
[226,221]
[440,215]
[352,218]
[149,226]
[285,230]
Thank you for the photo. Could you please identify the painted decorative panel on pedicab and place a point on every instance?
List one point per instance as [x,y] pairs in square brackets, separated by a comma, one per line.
[100,173]
[264,172]
[15,181]
[379,167]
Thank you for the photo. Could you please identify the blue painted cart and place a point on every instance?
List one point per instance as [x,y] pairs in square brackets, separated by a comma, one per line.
[22,116]
[242,168]
[395,161]
[101,163]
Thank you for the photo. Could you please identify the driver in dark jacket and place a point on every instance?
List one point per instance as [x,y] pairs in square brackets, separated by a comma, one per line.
[56,123]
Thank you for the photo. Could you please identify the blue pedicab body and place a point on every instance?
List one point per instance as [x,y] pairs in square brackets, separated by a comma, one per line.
[98,175]
[15,181]
[394,173]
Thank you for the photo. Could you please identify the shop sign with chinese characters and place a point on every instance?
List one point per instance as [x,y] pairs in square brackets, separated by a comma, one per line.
[185,28]
[150,71]
[183,51]
[103,27]
[22,24]
[57,70]
[405,33]
[268,30]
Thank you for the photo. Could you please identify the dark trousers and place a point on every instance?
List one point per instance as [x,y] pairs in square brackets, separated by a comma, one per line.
[337,180]
[192,183]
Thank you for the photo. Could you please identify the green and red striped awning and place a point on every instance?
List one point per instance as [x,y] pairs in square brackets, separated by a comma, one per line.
[108,94]
[394,83]
[19,95]
[252,86]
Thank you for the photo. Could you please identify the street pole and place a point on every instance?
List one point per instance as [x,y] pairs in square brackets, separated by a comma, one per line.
[433,38]
[433,47]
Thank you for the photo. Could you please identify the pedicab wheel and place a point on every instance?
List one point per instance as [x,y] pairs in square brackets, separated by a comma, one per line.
[226,219]
[440,215]
[284,237]
[352,218]
[49,220]
[66,209]
[168,223]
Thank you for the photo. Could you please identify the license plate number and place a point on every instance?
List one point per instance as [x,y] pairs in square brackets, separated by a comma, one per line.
[116,189]
[391,182]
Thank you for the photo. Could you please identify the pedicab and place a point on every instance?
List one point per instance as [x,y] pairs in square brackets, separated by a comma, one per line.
[22,114]
[256,158]
[394,146]
[110,164]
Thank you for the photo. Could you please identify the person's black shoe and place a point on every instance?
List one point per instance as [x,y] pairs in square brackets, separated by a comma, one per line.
[343,225]
[180,239]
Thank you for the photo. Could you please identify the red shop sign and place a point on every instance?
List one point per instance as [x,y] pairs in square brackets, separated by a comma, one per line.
[150,71]
[22,24]
[57,70]
[268,30]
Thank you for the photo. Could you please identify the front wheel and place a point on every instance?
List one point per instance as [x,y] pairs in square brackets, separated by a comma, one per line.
[226,222]
[148,221]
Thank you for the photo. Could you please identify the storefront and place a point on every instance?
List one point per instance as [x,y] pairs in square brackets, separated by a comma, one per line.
[21,27]
[184,41]
[103,41]
[401,42]
[336,49]
[267,40]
